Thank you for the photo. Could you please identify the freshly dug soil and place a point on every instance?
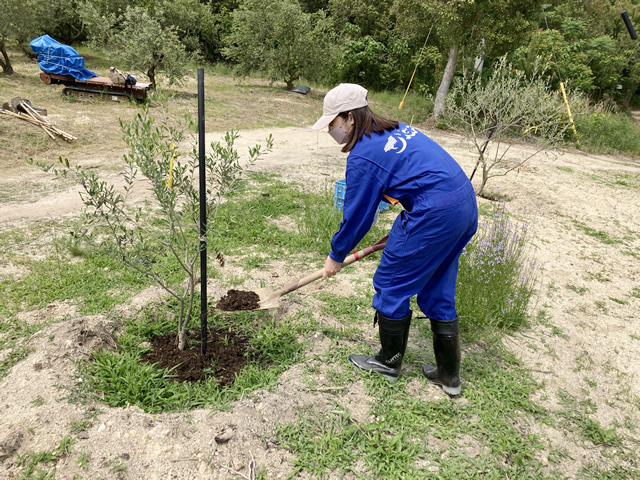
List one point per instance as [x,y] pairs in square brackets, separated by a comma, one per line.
[224,358]
[239,300]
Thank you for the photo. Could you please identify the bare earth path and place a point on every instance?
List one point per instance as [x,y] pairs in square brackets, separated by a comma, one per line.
[587,344]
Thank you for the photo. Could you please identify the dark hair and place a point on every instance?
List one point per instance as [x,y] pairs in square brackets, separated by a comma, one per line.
[365,122]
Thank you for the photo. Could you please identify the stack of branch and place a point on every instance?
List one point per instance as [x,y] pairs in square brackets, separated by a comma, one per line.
[24,111]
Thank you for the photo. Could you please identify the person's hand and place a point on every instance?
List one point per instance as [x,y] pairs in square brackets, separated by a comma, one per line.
[331,267]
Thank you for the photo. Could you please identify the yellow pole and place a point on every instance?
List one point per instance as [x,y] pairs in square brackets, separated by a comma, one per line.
[407,91]
[566,102]
[415,69]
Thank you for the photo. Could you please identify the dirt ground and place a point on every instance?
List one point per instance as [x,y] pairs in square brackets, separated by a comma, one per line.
[589,291]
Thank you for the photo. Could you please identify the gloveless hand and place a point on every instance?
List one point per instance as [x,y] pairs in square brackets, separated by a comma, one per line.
[331,267]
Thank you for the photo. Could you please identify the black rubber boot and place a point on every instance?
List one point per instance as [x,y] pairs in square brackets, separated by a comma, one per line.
[446,346]
[393,339]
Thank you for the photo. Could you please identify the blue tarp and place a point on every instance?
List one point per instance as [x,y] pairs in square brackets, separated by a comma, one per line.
[55,57]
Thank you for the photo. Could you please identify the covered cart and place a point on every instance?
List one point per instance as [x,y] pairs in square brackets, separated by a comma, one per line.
[61,64]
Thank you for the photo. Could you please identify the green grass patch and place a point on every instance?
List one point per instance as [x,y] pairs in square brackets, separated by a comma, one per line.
[347,310]
[575,415]
[35,464]
[608,133]
[250,218]
[96,284]
[123,379]
[416,107]
[618,301]
[578,290]
[409,437]
[617,472]
[600,235]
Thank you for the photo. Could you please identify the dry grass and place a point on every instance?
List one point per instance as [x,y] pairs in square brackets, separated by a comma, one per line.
[230,103]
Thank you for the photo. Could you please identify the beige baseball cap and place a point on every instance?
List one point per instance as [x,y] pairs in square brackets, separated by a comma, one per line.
[343,98]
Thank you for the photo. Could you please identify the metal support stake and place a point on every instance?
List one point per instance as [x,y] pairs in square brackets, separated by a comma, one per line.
[203,216]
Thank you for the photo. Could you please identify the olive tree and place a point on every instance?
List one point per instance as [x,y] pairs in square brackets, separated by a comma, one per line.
[145,44]
[21,21]
[276,38]
[170,229]
[510,108]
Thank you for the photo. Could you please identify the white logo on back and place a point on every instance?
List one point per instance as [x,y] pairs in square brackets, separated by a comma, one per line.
[391,143]
[406,133]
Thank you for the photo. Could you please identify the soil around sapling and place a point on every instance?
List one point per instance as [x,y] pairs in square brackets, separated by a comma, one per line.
[236,300]
[227,354]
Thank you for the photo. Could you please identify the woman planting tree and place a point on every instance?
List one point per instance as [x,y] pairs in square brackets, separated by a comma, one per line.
[395,162]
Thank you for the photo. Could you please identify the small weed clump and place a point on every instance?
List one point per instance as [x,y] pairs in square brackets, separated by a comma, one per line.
[497,275]
[35,464]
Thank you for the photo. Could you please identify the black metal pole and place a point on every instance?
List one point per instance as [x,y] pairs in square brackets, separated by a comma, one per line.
[627,22]
[203,216]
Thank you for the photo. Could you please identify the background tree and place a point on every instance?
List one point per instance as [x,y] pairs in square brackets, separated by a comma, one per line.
[144,44]
[21,22]
[64,22]
[590,47]
[374,53]
[370,16]
[156,36]
[276,38]
[511,107]
[500,24]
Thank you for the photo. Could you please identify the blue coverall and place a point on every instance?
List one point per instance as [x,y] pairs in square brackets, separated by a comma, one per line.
[439,218]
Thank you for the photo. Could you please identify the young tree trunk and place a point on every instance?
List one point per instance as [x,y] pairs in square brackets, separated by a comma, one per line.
[78,34]
[483,183]
[628,95]
[151,73]
[449,71]
[5,63]
[182,328]
[289,78]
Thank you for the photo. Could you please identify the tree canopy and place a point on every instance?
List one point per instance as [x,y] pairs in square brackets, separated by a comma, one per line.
[277,38]
[370,42]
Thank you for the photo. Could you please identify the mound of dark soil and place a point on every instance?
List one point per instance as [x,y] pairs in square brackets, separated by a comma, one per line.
[226,356]
[236,300]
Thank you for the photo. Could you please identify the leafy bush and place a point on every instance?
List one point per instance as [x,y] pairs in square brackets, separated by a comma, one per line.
[607,133]
[497,274]
[373,63]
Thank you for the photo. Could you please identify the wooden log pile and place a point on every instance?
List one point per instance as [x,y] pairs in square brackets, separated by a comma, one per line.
[23,110]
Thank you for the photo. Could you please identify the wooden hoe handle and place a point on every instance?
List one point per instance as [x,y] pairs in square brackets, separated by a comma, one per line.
[312,277]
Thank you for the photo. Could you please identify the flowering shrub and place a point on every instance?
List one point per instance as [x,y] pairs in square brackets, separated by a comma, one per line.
[497,274]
